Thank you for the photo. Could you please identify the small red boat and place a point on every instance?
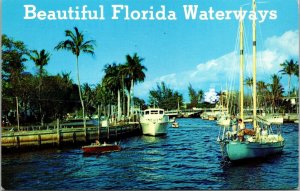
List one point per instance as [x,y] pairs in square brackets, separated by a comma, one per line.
[97,148]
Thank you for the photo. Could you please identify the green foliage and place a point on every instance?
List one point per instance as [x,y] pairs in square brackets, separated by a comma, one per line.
[40,59]
[165,97]
[13,57]
[135,70]
[140,103]
[53,96]
[75,43]
[195,97]
[290,68]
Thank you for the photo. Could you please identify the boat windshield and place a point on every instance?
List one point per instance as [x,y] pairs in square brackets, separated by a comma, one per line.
[154,112]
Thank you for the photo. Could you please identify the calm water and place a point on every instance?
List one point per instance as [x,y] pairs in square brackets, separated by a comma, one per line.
[187,158]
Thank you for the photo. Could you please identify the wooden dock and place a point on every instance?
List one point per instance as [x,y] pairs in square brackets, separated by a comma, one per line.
[60,135]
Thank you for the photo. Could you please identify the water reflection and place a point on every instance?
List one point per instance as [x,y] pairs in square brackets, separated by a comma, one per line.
[153,139]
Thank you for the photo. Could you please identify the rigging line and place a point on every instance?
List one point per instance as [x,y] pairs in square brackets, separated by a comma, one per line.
[231,77]
[234,73]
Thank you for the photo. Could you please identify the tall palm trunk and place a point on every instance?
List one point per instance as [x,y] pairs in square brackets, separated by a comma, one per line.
[128,103]
[80,96]
[119,106]
[289,84]
[40,104]
[131,97]
[123,97]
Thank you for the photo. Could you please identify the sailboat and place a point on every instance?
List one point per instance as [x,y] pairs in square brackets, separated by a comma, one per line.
[263,140]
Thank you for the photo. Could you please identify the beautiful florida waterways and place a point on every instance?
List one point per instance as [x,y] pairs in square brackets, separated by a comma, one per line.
[188,157]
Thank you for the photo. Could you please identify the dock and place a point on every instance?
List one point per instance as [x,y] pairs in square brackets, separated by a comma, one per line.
[60,135]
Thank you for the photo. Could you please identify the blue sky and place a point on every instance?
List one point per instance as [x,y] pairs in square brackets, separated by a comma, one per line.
[178,52]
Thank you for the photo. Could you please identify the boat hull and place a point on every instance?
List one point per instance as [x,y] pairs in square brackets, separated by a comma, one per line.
[155,128]
[96,149]
[245,150]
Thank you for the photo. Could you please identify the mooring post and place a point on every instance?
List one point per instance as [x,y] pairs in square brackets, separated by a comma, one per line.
[39,140]
[18,142]
[18,118]
[108,132]
[74,138]
[58,132]
[116,131]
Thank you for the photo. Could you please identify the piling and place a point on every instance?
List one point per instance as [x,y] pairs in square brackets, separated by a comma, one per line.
[58,132]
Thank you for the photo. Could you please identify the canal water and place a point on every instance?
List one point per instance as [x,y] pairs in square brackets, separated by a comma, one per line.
[188,157]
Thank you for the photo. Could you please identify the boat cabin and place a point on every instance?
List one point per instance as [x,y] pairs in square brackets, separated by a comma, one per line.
[154,112]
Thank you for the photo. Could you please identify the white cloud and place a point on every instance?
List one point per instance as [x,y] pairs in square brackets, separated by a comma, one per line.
[287,44]
[224,70]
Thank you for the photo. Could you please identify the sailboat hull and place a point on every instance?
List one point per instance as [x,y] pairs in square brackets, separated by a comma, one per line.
[245,150]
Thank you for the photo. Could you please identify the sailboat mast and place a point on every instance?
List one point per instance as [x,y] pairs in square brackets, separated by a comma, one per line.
[254,63]
[241,69]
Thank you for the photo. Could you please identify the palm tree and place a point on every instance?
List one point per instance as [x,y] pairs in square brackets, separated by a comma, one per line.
[89,97]
[125,83]
[112,81]
[262,91]
[249,82]
[296,72]
[40,59]
[66,77]
[76,44]
[135,73]
[276,90]
[289,68]
[200,96]
[102,97]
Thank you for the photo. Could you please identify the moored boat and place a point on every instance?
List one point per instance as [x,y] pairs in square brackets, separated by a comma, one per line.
[262,140]
[154,122]
[97,148]
[273,118]
[175,124]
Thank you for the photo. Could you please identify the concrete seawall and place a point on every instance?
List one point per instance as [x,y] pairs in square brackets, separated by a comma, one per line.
[54,136]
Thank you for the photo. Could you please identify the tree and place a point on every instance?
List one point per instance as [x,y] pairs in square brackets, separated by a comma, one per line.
[89,98]
[200,96]
[165,97]
[113,82]
[76,44]
[140,102]
[102,97]
[40,59]
[262,92]
[249,82]
[135,73]
[289,68]
[13,58]
[276,90]
[193,97]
